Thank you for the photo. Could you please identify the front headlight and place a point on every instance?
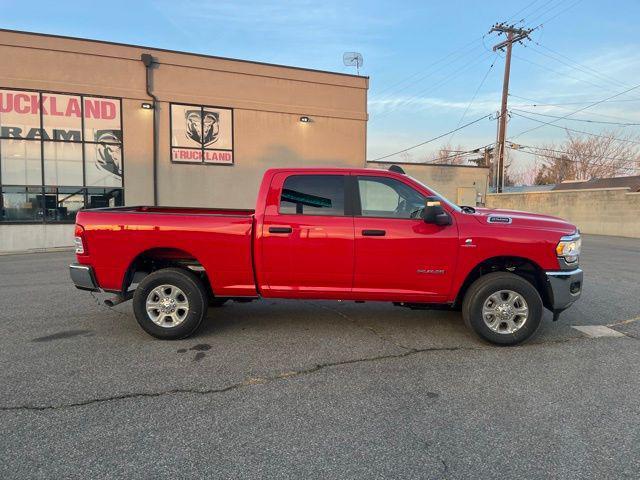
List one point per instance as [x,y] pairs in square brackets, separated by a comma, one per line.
[569,248]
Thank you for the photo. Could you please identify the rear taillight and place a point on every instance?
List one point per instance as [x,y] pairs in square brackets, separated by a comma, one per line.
[78,240]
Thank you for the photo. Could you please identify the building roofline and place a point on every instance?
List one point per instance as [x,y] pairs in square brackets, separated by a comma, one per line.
[181,52]
[378,162]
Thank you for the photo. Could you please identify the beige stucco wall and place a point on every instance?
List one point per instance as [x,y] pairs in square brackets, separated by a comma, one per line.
[448,180]
[613,211]
[267,101]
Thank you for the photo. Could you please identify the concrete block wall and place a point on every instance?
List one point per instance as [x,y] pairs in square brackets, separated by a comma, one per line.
[600,211]
[41,236]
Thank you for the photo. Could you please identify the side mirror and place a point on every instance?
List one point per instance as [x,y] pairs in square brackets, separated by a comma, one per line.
[434,213]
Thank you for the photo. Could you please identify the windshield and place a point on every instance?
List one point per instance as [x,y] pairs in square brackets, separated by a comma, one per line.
[441,197]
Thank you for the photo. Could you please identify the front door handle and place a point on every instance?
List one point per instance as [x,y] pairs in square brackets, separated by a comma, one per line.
[373,233]
[280,229]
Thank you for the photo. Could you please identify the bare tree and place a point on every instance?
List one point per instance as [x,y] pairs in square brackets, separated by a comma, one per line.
[583,158]
[448,155]
[509,178]
[525,175]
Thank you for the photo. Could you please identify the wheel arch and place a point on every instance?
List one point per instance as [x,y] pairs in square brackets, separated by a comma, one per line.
[521,266]
[156,258]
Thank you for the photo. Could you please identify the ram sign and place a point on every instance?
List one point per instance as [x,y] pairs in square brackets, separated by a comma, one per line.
[201,134]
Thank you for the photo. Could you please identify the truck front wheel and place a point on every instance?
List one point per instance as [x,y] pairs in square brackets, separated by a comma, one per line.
[170,303]
[502,308]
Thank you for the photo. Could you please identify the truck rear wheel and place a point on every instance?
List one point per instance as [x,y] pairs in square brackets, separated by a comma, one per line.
[170,303]
[502,308]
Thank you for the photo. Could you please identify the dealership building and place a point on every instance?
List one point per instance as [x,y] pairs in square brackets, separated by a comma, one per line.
[87,124]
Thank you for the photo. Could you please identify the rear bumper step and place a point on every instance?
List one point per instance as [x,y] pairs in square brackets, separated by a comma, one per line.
[83,278]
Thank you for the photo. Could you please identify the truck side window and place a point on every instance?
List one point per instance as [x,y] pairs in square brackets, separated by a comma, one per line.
[389,198]
[313,195]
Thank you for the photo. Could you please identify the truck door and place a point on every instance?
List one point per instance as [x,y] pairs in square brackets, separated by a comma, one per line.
[397,255]
[307,237]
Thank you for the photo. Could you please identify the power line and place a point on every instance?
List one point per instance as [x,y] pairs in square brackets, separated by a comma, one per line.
[431,139]
[556,15]
[580,67]
[537,104]
[535,12]
[565,75]
[417,95]
[430,66]
[545,149]
[515,15]
[554,105]
[455,154]
[577,119]
[475,94]
[580,110]
[539,155]
[397,91]
[561,127]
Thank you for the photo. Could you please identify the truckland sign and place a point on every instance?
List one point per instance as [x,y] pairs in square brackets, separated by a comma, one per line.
[69,119]
[201,134]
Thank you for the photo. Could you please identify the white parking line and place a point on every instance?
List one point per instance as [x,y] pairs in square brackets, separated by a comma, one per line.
[625,322]
[597,331]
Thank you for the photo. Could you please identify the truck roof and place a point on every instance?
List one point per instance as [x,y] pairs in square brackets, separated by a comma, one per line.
[358,171]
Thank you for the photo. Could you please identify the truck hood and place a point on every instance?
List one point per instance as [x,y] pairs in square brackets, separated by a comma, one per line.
[508,218]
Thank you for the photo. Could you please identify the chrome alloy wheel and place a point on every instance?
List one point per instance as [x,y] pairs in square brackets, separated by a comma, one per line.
[505,311]
[167,306]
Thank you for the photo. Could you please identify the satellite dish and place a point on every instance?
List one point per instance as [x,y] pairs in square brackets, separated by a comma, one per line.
[352,59]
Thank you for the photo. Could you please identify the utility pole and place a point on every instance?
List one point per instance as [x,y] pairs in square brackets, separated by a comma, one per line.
[513,35]
[486,158]
[494,164]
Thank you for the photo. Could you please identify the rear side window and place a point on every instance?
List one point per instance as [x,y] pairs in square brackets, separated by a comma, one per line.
[313,195]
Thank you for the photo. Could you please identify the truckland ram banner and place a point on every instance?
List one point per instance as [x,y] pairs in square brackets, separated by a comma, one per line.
[338,234]
[64,121]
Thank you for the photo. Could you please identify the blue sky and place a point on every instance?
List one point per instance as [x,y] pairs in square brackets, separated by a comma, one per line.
[425,59]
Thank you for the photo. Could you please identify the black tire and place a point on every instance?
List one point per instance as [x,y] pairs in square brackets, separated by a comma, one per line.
[489,284]
[195,294]
[216,302]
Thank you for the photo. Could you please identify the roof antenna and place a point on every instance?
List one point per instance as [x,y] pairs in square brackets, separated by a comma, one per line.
[396,169]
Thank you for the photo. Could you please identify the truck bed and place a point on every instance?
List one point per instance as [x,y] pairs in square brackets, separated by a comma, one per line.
[176,210]
[218,239]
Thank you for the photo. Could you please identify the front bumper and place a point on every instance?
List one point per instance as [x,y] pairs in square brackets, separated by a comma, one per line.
[564,288]
[83,278]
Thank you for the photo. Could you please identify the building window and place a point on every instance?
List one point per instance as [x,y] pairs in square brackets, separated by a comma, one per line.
[201,134]
[21,204]
[54,149]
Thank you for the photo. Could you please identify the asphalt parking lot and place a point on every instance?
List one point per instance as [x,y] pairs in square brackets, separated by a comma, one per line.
[315,389]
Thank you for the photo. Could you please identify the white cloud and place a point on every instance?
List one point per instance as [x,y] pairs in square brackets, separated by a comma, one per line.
[485,104]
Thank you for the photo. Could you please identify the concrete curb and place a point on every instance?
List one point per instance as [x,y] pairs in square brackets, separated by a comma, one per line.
[37,250]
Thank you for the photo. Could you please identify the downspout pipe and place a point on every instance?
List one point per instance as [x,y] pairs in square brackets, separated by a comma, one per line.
[148,62]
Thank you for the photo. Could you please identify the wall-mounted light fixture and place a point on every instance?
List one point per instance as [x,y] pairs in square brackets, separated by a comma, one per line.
[305,119]
[147,105]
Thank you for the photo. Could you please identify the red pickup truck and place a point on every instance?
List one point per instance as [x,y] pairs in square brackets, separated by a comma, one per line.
[341,234]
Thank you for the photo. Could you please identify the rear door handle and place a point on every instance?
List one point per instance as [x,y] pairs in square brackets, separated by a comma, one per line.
[373,233]
[280,229]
